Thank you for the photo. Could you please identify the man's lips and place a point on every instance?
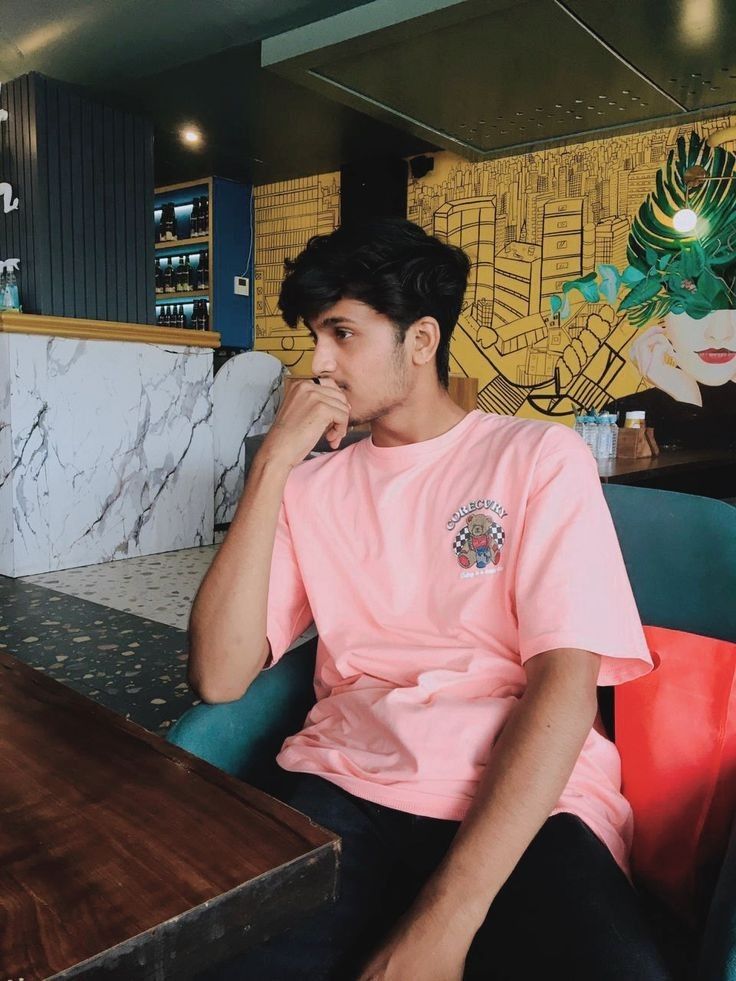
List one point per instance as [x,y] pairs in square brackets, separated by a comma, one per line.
[716,355]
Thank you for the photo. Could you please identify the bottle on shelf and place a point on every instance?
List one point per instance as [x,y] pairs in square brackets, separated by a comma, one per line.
[204,222]
[196,218]
[183,275]
[204,270]
[180,318]
[159,277]
[168,231]
[9,293]
[205,315]
[160,317]
[169,278]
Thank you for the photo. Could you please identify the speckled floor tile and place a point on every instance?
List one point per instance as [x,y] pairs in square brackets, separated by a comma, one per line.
[133,665]
[158,587]
[115,632]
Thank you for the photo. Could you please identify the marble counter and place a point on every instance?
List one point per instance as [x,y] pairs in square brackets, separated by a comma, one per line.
[247,393]
[106,450]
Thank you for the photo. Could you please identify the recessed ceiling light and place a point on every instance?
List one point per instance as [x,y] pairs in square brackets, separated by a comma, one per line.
[190,135]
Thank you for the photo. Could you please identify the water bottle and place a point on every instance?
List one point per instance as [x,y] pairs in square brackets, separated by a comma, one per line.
[614,434]
[600,436]
[580,426]
[604,437]
[11,293]
[591,433]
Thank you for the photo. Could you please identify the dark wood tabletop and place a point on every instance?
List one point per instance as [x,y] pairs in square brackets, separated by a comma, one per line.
[669,461]
[124,857]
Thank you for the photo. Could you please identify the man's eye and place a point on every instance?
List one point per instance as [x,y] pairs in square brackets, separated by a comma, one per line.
[340,333]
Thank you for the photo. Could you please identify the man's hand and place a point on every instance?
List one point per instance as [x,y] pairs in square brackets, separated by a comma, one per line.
[308,412]
[425,946]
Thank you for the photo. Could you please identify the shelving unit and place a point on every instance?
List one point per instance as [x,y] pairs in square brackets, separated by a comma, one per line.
[228,246]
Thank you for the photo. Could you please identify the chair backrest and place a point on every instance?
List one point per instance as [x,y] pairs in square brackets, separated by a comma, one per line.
[680,554]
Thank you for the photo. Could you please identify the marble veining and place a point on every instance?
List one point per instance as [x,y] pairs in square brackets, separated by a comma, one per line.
[247,392]
[111,451]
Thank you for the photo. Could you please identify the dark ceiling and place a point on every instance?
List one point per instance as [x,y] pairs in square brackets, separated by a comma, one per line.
[349,79]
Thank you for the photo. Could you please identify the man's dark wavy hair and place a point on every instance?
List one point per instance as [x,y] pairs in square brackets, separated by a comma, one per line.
[390,264]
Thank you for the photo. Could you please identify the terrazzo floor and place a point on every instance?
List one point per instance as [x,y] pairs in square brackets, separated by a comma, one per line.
[114,632]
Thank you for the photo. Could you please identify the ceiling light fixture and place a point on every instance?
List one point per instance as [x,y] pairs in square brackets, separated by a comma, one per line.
[191,136]
[694,177]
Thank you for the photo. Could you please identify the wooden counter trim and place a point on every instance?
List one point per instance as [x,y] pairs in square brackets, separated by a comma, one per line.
[106,330]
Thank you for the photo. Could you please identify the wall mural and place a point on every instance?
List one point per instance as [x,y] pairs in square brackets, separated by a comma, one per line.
[287,214]
[582,293]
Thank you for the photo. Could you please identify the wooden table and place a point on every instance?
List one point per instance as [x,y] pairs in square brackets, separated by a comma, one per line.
[670,468]
[125,858]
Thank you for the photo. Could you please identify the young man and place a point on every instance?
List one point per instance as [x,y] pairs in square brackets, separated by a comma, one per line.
[469,593]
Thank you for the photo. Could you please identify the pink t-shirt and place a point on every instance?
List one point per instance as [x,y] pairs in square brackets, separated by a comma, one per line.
[433,572]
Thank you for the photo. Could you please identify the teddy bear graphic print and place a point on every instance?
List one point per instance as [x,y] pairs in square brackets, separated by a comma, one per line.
[479,542]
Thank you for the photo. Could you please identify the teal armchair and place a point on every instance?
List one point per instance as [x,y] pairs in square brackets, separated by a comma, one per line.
[680,553]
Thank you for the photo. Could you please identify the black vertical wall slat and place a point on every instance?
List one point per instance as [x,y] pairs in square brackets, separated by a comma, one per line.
[49,125]
[77,143]
[108,216]
[121,218]
[84,176]
[98,215]
[84,207]
[131,265]
[62,207]
[146,209]
[42,256]
[27,206]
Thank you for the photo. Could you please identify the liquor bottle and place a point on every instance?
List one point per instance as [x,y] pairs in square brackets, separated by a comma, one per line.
[160,317]
[204,270]
[195,219]
[159,277]
[174,224]
[195,315]
[205,315]
[186,276]
[180,316]
[162,225]
[204,223]
[169,278]
[168,222]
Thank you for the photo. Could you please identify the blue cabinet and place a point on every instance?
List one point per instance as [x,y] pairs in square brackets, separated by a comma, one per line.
[207,256]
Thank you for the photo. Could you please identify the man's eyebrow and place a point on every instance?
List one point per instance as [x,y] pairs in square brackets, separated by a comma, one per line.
[332,322]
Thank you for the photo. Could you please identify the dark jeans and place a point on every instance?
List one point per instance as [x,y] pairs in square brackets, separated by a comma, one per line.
[567,911]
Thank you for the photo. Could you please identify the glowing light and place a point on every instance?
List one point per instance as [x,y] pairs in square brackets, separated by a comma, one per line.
[685,220]
[191,136]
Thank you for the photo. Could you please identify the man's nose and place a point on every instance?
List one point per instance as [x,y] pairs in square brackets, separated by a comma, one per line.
[323,359]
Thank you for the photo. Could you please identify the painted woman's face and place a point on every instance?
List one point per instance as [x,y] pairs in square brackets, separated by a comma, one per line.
[705,349]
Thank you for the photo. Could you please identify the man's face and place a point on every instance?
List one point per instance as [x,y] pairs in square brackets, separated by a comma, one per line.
[356,347]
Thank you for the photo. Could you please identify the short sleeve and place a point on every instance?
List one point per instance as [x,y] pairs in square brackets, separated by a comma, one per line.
[571,586]
[288,612]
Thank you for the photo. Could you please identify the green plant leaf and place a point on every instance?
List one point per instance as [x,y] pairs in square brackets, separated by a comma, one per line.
[645,290]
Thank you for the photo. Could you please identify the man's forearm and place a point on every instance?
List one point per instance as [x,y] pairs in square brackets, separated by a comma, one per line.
[529,767]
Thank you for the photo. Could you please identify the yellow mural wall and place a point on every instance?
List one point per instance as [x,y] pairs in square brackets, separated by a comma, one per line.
[287,214]
[529,223]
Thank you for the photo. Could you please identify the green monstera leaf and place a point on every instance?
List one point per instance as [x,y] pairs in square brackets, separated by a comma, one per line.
[653,234]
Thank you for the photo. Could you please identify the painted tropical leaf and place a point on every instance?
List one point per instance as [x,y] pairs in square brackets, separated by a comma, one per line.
[652,232]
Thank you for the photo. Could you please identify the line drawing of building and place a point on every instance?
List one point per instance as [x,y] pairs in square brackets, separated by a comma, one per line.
[287,214]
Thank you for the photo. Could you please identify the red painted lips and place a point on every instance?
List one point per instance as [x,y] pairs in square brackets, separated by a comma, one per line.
[716,355]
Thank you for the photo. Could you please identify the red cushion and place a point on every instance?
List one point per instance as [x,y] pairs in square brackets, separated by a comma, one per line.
[676,733]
